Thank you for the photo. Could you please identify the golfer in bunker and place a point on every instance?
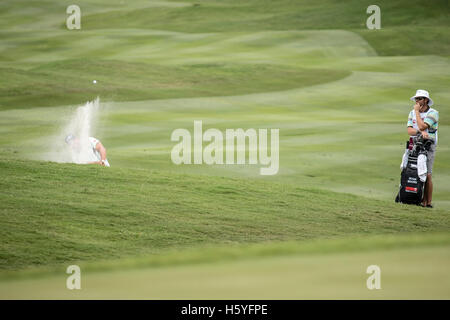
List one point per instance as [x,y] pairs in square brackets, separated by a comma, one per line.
[87,151]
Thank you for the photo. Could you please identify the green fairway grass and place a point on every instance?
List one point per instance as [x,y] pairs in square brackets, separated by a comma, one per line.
[337,92]
[71,81]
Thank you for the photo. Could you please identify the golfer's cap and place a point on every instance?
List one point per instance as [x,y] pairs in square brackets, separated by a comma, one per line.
[422,93]
[69,138]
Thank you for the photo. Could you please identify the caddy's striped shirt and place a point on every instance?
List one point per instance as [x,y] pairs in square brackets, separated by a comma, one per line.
[431,117]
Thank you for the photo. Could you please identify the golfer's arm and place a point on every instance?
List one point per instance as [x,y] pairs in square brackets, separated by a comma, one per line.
[100,148]
[422,125]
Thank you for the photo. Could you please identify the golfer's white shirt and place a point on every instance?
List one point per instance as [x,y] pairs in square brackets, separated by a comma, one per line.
[96,155]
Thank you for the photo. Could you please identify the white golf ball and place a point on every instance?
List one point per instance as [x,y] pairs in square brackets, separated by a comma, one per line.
[95,81]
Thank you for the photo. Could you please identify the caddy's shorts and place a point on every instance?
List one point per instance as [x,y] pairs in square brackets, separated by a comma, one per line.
[430,158]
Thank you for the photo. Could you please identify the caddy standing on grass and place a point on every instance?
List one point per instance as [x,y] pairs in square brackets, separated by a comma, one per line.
[424,120]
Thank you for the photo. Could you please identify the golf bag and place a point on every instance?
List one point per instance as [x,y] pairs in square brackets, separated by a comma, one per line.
[413,176]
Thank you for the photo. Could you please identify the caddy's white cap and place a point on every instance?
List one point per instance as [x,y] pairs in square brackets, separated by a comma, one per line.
[422,93]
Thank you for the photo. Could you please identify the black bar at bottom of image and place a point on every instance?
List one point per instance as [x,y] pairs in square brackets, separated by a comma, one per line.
[225,309]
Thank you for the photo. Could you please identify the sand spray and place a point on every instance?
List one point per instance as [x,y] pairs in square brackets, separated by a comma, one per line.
[80,124]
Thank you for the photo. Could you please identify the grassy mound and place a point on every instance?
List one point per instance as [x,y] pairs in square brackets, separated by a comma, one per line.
[54,213]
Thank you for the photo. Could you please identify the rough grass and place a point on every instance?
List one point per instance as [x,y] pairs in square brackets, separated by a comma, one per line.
[54,213]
